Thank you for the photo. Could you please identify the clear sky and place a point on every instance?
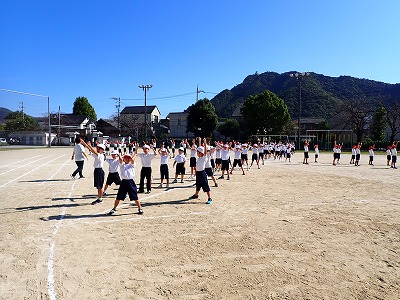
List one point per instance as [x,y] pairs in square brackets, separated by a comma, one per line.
[101,48]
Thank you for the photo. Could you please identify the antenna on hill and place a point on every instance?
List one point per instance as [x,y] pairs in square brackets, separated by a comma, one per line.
[197,93]
[22,109]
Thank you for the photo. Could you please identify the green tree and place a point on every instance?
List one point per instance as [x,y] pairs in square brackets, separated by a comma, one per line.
[265,113]
[230,128]
[378,125]
[18,121]
[202,119]
[82,107]
[393,119]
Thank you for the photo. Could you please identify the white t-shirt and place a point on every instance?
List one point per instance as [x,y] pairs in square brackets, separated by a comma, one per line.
[113,165]
[146,159]
[316,151]
[255,150]
[305,148]
[394,152]
[127,171]
[208,161]
[78,152]
[238,152]
[218,153]
[224,154]
[180,158]
[200,163]
[164,159]
[371,152]
[98,160]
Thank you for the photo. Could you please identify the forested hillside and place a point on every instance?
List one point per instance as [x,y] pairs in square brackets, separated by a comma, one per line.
[322,95]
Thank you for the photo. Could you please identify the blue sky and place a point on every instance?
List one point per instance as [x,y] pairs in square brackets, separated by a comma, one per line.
[101,49]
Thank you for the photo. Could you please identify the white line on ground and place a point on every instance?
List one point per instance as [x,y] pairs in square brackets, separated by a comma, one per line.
[24,165]
[29,172]
[52,176]
[50,262]
[19,161]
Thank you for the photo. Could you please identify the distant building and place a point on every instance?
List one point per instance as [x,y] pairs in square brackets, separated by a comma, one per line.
[132,120]
[178,125]
[107,127]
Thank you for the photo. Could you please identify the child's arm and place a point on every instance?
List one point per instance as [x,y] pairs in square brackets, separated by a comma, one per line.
[120,159]
[91,149]
[154,150]
[133,158]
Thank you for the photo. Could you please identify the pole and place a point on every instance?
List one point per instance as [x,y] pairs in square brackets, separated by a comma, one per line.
[298,118]
[48,112]
[119,124]
[59,124]
[145,114]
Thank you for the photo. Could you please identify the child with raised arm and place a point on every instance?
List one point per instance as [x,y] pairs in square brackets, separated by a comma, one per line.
[113,175]
[201,176]
[316,150]
[127,186]
[388,155]
[371,155]
[99,158]
[145,173]
[394,155]
[164,172]
[306,156]
[180,161]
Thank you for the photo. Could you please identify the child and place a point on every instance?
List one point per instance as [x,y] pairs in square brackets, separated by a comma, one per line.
[288,152]
[98,163]
[128,186]
[164,166]
[79,156]
[180,161]
[394,155]
[254,156]
[371,155]
[358,154]
[218,158]
[237,159]
[113,175]
[209,167]
[145,172]
[353,154]
[193,159]
[201,176]
[335,154]
[316,152]
[305,159]
[244,155]
[224,160]
[173,147]
[388,155]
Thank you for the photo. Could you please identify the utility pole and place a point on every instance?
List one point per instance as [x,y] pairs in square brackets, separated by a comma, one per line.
[299,77]
[22,110]
[145,88]
[197,93]
[59,123]
[118,106]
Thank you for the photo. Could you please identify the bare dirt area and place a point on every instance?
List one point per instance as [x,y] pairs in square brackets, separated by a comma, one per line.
[284,231]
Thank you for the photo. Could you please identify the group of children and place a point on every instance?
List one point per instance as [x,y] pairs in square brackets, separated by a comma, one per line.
[204,160]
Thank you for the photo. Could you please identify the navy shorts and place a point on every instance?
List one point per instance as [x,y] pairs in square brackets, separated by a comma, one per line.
[305,154]
[193,162]
[98,178]
[209,172]
[218,161]
[180,169]
[212,162]
[394,159]
[202,182]
[164,171]
[254,157]
[237,162]
[243,157]
[113,178]
[225,165]
[127,186]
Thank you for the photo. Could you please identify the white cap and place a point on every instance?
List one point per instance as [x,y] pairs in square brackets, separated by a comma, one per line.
[163,150]
[114,152]
[209,148]
[200,149]
[101,146]
[146,147]
[181,149]
[128,155]
[237,146]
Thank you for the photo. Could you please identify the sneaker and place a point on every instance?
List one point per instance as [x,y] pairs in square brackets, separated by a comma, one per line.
[104,194]
[175,181]
[81,177]
[228,178]
[167,186]
[111,212]
[97,201]
[216,184]
[194,196]
[148,192]
[140,211]
[221,177]
[160,186]
[209,201]
[140,192]
[182,181]
[72,177]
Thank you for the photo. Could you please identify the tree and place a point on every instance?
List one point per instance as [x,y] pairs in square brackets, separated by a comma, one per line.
[393,119]
[18,121]
[265,113]
[230,128]
[378,125]
[356,115]
[202,119]
[82,107]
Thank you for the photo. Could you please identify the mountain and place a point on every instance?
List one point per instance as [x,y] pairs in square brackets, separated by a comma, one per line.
[321,95]
[4,112]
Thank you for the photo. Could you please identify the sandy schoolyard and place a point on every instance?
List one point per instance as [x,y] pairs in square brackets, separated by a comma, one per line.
[284,231]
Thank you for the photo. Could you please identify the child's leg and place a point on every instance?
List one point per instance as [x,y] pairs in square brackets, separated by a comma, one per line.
[100,193]
[105,188]
[116,202]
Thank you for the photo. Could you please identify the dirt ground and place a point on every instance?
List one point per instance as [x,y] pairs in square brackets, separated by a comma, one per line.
[284,231]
